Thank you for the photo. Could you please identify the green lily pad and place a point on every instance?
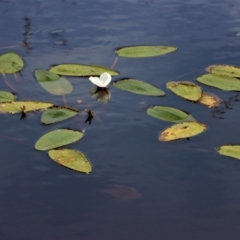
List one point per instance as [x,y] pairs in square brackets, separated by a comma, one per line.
[58,138]
[187,90]
[230,151]
[182,130]
[168,114]
[53,83]
[72,159]
[10,63]
[224,70]
[138,86]
[144,51]
[17,106]
[80,70]
[6,97]
[221,82]
[57,114]
[211,100]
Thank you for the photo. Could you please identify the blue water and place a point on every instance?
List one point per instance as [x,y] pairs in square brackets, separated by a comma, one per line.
[187,190]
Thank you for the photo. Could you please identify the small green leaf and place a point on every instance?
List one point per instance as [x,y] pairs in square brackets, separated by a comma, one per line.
[6,97]
[221,82]
[182,130]
[16,106]
[145,51]
[58,138]
[230,151]
[57,114]
[224,70]
[168,114]
[211,100]
[10,63]
[187,90]
[72,159]
[45,76]
[80,70]
[138,86]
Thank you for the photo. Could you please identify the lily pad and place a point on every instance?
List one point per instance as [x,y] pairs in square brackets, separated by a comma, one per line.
[80,70]
[57,114]
[10,63]
[187,90]
[211,100]
[224,70]
[45,76]
[230,151]
[221,82]
[17,106]
[138,86]
[144,51]
[168,114]
[6,97]
[58,138]
[72,159]
[182,130]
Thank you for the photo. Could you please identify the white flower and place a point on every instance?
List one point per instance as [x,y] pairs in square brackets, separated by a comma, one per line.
[103,81]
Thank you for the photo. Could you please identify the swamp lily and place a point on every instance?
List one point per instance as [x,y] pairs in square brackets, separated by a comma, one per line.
[102,81]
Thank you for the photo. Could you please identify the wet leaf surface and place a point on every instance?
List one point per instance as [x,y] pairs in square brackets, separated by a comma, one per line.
[145,51]
[72,159]
[58,138]
[138,86]
[182,130]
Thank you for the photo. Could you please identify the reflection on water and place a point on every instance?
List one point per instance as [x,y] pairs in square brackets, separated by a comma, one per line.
[187,190]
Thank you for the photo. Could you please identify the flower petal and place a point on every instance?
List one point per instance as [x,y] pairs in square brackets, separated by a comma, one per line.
[94,80]
[105,79]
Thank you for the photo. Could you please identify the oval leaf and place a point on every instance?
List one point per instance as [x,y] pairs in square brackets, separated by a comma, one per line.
[138,86]
[182,130]
[10,63]
[18,106]
[144,51]
[80,70]
[224,70]
[45,76]
[210,100]
[72,159]
[187,90]
[58,138]
[7,96]
[168,114]
[230,151]
[57,114]
[221,82]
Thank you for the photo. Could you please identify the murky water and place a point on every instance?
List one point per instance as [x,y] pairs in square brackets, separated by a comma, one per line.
[176,190]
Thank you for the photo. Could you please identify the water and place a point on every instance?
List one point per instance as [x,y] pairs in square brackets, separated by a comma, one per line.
[187,190]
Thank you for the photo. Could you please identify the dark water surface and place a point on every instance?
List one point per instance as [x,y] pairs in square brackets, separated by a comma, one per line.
[187,190]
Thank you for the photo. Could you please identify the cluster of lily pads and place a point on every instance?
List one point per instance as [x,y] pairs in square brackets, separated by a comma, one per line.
[224,77]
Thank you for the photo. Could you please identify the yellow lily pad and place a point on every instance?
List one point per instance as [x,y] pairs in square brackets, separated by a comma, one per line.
[182,130]
[72,159]
[211,100]
[230,151]
[224,70]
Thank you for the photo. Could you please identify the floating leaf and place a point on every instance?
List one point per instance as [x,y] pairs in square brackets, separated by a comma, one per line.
[72,159]
[57,114]
[168,114]
[17,106]
[211,100]
[6,97]
[10,63]
[187,90]
[138,86]
[182,130]
[80,70]
[144,51]
[45,76]
[53,83]
[58,138]
[221,82]
[224,70]
[230,151]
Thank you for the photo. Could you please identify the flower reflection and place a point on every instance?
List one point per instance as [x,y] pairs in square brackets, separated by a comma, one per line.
[101,94]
